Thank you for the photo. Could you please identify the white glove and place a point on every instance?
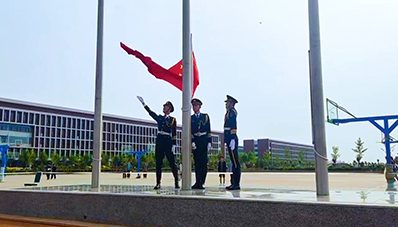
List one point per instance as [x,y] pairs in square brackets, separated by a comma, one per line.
[232,144]
[141,100]
[193,146]
[173,149]
[208,147]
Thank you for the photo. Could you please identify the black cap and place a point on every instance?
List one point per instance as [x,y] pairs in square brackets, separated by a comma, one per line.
[231,98]
[168,103]
[195,100]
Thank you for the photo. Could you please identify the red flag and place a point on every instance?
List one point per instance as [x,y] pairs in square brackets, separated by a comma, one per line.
[172,75]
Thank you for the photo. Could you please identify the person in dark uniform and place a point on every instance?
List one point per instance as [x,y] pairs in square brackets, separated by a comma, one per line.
[231,139]
[48,170]
[165,140]
[201,142]
[54,170]
[222,168]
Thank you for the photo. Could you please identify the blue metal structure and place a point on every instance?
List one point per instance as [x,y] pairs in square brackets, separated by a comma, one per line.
[386,129]
[3,150]
[138,154]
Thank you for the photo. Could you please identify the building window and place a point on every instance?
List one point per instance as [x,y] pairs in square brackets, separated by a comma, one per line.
[78,123]
[74,123]
[83,124]
[31,118]
[12,116]
[1,115]
[25,118]
[53,120]
[48,120]
[37,119]
[42,119]
[69,122]
[63,122]
[47,143]
[6,115]
[19,117]
[59,122]
[92,125]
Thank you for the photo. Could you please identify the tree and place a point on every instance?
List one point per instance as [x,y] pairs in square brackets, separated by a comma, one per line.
[335,154]
[359,150]
[104,159]
[55,158]
[287,156]
[43,157]
[301,157]
[24,157]
[268,158]
[85,161]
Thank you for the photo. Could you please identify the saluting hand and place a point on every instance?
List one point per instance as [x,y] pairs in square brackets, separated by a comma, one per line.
[193,146]
[208,147]
[141,100]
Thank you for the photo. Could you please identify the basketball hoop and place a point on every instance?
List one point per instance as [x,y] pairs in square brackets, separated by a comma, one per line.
[333,111]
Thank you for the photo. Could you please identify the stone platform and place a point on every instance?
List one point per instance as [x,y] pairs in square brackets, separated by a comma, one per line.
[140,205]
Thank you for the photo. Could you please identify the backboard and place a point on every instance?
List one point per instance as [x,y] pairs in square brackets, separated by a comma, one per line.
[333,111]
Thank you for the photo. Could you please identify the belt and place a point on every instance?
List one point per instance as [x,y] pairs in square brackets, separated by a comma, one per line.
[232,131]
[200,134]
[164,133]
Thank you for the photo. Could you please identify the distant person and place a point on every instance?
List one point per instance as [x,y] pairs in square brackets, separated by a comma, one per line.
[201,142]
[54,170]
[222,168]
[166,140]
[231,139]
[48,170]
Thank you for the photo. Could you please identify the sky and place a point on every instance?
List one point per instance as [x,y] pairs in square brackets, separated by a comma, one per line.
[254,50]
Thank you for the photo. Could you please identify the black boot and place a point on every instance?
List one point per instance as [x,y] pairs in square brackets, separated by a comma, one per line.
[157,186]
[158,178]
[175,174]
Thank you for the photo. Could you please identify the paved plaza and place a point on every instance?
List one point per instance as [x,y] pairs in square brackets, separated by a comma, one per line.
[291,180]
[351,188]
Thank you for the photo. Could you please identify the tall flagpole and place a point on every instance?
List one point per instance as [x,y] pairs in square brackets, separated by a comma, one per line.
[317,107]
[186,96]
[95,181]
